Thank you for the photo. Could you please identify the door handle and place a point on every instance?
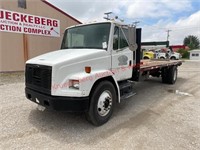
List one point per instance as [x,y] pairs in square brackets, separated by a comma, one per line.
[130,62]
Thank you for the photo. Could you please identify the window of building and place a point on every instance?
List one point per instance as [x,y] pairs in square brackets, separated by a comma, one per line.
[195,55]
[22,4]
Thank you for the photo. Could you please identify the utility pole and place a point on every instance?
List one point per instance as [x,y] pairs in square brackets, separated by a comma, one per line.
[168,34]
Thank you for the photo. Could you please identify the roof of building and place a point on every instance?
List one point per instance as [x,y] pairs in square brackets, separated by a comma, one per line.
[195,50]
[61,11]
[178,46]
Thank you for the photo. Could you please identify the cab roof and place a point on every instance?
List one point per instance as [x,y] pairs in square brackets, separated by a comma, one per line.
[96,22]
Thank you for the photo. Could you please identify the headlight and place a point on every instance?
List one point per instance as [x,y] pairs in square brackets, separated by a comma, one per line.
[74,84]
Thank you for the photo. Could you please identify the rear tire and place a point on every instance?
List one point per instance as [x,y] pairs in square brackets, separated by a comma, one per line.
[173,58]
[164,75]
[169,75]
[102,102]
[172,75]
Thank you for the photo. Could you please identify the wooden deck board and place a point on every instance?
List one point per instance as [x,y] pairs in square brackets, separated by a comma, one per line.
[153,63]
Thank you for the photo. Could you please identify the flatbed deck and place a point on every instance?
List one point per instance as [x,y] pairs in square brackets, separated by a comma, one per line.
[150,64]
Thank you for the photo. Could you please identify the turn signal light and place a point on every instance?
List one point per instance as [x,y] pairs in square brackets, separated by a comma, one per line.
[87,69]
[74,84]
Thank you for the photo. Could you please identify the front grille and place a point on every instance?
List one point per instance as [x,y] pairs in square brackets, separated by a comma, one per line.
[38,77]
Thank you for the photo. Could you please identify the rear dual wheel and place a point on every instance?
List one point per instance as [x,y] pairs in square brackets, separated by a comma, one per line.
[173,58]
[169,75]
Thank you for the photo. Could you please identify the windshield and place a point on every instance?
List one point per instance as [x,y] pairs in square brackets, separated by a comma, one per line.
[88,36]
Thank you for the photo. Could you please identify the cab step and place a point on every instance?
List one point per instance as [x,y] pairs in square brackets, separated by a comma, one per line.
[126,89]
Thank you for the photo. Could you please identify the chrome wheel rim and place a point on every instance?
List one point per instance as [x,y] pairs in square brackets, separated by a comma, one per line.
[104,103]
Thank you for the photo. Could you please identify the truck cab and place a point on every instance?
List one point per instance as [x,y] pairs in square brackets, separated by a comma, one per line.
[94,58]
[95,68]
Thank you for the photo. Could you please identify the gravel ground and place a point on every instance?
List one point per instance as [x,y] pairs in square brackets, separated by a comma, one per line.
[159,117]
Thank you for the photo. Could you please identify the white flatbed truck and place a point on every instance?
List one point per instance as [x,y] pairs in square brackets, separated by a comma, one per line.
[95,68]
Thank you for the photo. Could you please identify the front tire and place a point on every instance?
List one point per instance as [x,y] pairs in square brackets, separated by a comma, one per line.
[145,57]
[102,102]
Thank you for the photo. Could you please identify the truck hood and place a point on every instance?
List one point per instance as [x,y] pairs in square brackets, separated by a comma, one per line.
[175,53]
[67,55]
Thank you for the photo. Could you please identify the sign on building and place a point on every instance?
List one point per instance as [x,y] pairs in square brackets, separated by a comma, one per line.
[16,22]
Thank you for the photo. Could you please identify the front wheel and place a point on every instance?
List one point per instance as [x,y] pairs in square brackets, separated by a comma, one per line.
[102,102]
[145,57]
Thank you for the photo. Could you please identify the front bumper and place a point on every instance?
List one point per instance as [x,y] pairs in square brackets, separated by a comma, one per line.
[60,103]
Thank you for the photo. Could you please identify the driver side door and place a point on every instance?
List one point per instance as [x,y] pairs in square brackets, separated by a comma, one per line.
[122,56]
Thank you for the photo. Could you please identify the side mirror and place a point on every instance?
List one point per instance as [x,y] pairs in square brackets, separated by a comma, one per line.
[132,38]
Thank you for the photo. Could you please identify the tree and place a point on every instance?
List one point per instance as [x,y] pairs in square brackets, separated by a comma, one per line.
[184,53]
[192,42]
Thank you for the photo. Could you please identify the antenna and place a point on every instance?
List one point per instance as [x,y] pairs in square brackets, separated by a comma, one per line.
[107,15]
[135,23]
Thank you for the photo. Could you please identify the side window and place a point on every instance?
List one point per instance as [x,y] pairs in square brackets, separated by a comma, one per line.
[123,39]
[119,39]
[22,4]
[116,38]
[125,30]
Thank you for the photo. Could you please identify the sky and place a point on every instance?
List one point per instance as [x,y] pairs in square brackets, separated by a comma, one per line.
[181,17]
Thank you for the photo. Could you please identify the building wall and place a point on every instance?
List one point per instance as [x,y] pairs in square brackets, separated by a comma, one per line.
[195,55]
[12,55]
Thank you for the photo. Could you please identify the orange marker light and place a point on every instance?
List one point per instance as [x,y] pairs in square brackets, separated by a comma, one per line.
[87,69]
